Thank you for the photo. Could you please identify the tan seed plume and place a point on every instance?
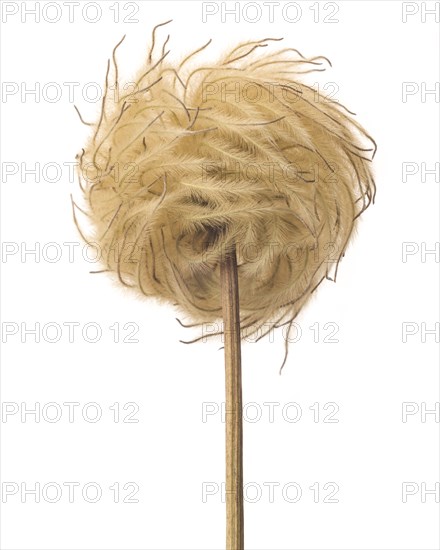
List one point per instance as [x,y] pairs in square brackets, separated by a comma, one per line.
[193,159]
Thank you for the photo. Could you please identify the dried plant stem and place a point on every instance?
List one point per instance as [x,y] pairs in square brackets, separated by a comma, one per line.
[234,421]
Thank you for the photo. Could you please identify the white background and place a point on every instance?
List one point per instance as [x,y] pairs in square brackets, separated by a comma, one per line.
[370,373]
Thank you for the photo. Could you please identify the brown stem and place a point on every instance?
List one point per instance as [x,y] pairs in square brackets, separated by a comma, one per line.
[234,421]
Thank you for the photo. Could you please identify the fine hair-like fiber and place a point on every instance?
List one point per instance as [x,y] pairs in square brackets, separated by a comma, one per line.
[195,159]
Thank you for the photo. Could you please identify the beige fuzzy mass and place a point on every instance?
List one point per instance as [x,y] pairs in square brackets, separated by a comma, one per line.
[194,159]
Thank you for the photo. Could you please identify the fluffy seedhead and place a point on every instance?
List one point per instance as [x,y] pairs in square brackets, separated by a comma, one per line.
[194,160]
